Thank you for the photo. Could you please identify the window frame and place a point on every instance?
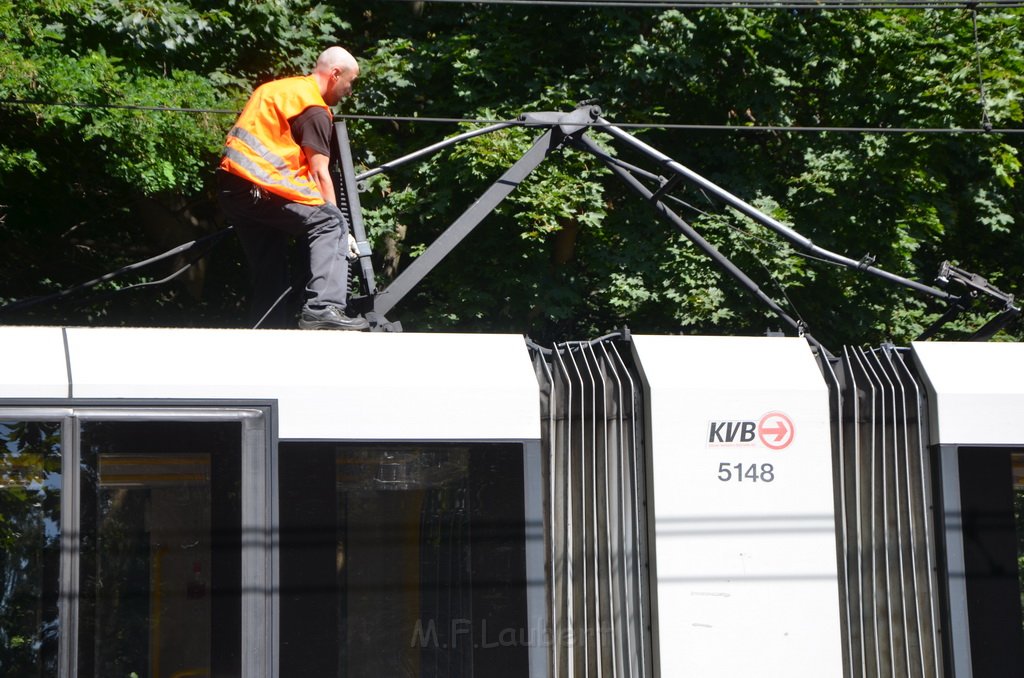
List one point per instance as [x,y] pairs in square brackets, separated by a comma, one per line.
[259,568]
[538,636]
[260,518]
[949,507]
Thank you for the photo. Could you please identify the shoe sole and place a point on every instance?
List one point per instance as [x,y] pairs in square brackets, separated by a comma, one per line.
[320,325]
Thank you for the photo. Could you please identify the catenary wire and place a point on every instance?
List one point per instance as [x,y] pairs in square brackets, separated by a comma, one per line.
[985,122]
[811,129]
[126,107]
[702,126]
[210,240]
[743,4]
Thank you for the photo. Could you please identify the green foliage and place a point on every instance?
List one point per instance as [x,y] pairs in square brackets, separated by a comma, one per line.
[129,180]
[902,200]
[570,252]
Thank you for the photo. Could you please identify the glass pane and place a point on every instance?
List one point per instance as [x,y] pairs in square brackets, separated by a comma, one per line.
[30,486]
[989,524]
[161,549]
[1017,461]
[403,561]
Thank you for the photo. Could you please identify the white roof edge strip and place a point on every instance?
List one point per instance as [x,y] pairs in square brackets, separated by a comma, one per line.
[975,390]
[329,385]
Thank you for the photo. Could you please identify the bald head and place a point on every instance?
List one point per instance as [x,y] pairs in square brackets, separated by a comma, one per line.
[335,57]
[336,71]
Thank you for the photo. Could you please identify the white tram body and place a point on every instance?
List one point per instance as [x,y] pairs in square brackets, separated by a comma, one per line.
[744,516]
[190,502]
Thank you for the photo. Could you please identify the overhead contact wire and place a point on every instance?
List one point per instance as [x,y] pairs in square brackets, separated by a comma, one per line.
[595,125]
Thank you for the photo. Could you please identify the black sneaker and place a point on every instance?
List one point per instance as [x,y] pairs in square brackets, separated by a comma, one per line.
[330,318]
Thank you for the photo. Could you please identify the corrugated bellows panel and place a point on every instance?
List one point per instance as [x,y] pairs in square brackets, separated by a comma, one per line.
[596,531]
[885,525]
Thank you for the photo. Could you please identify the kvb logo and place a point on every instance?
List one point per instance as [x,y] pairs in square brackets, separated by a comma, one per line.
[732,432]
[773,430]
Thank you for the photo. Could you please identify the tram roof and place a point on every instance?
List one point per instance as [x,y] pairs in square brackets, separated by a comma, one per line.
[329,385]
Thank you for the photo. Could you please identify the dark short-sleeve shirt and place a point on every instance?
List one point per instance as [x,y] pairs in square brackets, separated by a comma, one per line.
[312,129]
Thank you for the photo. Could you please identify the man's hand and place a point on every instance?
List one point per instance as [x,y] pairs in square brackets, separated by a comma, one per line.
[353,249]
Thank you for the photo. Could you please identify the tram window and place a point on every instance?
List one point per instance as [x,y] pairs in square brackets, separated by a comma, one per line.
[990,501]
[30,495]
[160,544]
[402,560]
[1017,461]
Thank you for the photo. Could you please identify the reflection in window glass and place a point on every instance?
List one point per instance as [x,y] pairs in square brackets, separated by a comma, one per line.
[1017,460]
[30,487]
[402,561]
[160,549]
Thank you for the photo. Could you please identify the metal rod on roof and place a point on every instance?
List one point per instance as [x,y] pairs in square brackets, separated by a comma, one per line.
[433,148]
[697,239]
[387,298]
[762,218]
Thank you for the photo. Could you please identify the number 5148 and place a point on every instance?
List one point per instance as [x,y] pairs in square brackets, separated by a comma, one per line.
[728,472]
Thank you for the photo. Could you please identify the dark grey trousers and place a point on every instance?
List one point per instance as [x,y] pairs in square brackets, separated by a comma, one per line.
[265,224]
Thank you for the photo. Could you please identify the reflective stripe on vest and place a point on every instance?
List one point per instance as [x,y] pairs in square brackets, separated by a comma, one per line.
[289,179]
[260,147]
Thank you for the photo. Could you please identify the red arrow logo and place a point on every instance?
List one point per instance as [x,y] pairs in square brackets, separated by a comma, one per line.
[775,430]
[779,431]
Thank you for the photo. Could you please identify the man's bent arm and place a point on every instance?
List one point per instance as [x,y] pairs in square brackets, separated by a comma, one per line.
[319,168]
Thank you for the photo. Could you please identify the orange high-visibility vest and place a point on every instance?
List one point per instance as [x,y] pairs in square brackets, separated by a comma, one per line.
[260,146]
